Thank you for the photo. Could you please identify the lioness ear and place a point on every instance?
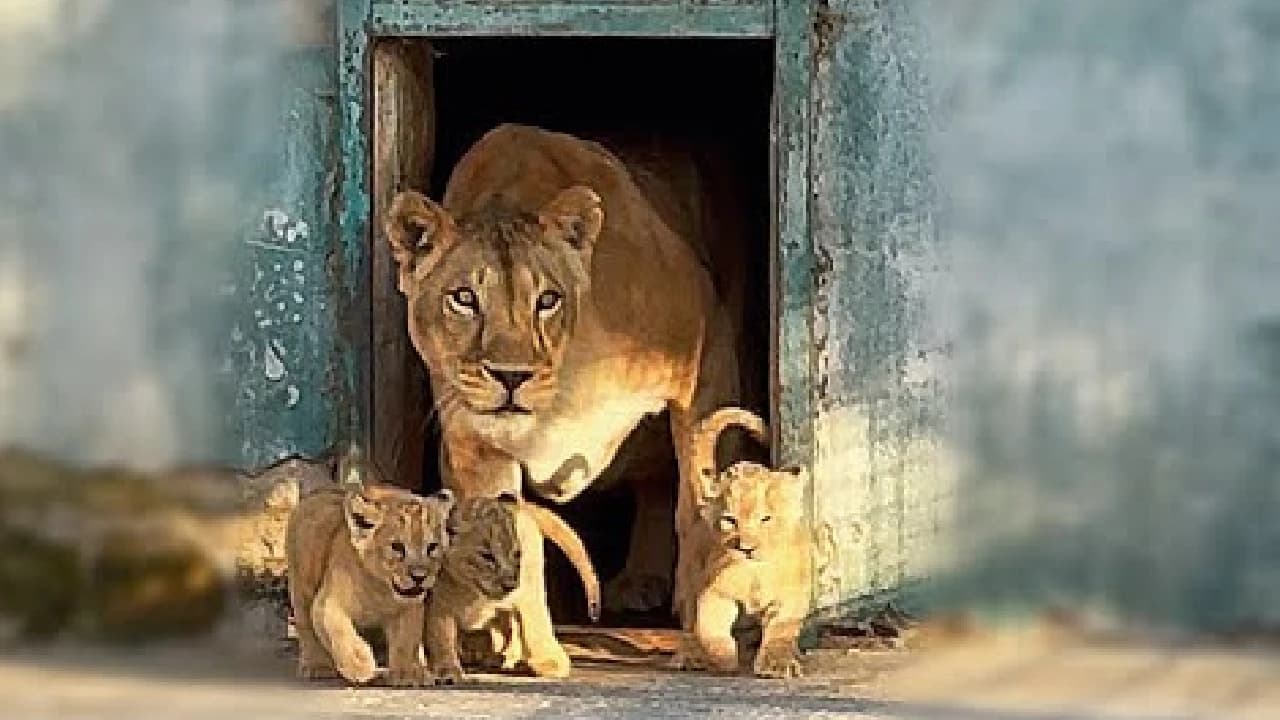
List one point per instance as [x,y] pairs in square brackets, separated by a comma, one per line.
[416,228]
[575,214]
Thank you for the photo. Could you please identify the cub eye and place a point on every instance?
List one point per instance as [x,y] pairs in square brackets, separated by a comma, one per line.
[362,522]
[548,301]
[728,522]
[433,549]
[398,548]
[766,518]
[464,300]
[488,557]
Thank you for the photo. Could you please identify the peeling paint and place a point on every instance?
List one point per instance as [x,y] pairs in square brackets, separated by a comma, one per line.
[272,365]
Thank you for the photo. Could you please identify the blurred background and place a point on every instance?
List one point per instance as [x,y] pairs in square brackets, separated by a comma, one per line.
[1108,176]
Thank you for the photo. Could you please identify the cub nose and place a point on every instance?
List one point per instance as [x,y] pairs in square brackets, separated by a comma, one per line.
[509,379]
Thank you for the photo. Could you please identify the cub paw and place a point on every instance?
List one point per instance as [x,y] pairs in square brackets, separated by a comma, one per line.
[317,671]
[778,663]
[449,675]
[687,656]
[636,592]
[358,666]
[409,677]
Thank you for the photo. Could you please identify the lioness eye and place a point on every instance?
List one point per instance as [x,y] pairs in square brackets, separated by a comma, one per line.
[728,521]
[549,300]
[398,548]
[488,557]
[362,522]
[766,518]
[464,298]
[433,549]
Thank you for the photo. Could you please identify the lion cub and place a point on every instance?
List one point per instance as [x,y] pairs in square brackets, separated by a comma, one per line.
[360,556]
[493,580]
[748,559]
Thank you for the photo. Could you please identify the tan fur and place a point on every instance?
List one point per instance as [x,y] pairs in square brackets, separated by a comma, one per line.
[747,561]
[493,581]
[630,327]
[359,557]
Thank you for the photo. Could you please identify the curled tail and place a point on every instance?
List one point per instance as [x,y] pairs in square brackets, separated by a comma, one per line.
[564,537]
[708,432]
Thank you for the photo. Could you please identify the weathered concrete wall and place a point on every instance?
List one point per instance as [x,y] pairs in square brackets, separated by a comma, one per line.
[1110,173]
[165,180]
[285,341]
[880,496]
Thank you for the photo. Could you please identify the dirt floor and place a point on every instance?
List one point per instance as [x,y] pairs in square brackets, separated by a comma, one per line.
[1029,676]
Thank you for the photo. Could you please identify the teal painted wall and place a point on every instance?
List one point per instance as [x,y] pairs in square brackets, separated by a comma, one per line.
[881,498]
[1110,171]
[285,346]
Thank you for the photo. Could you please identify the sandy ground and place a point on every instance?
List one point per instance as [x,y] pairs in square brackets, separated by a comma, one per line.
[1007,678]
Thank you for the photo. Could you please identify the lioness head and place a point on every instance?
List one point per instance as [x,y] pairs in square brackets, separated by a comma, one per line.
[493,297]
[484,552]
[399,537]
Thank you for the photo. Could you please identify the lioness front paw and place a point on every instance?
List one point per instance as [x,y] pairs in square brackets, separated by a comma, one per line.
[409,677]
[358,666]
[779,661]
[636,592]
[449,675]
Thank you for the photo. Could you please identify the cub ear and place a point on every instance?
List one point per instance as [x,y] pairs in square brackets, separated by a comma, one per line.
[362,514]
[794,471]
[710,485]
[575,215]
[508,497]
[351,469]
[444,497]
[416,228]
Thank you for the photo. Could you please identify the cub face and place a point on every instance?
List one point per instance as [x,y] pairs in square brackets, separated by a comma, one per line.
[748,504]
[484,549]
[399,537]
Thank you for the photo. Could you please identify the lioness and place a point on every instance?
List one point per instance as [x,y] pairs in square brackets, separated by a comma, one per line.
[557,300]
[360,556]
[748,560]
[492,580]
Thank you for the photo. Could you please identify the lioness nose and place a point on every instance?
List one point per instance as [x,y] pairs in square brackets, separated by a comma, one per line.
[418,575]
[509,379]
[748,550]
